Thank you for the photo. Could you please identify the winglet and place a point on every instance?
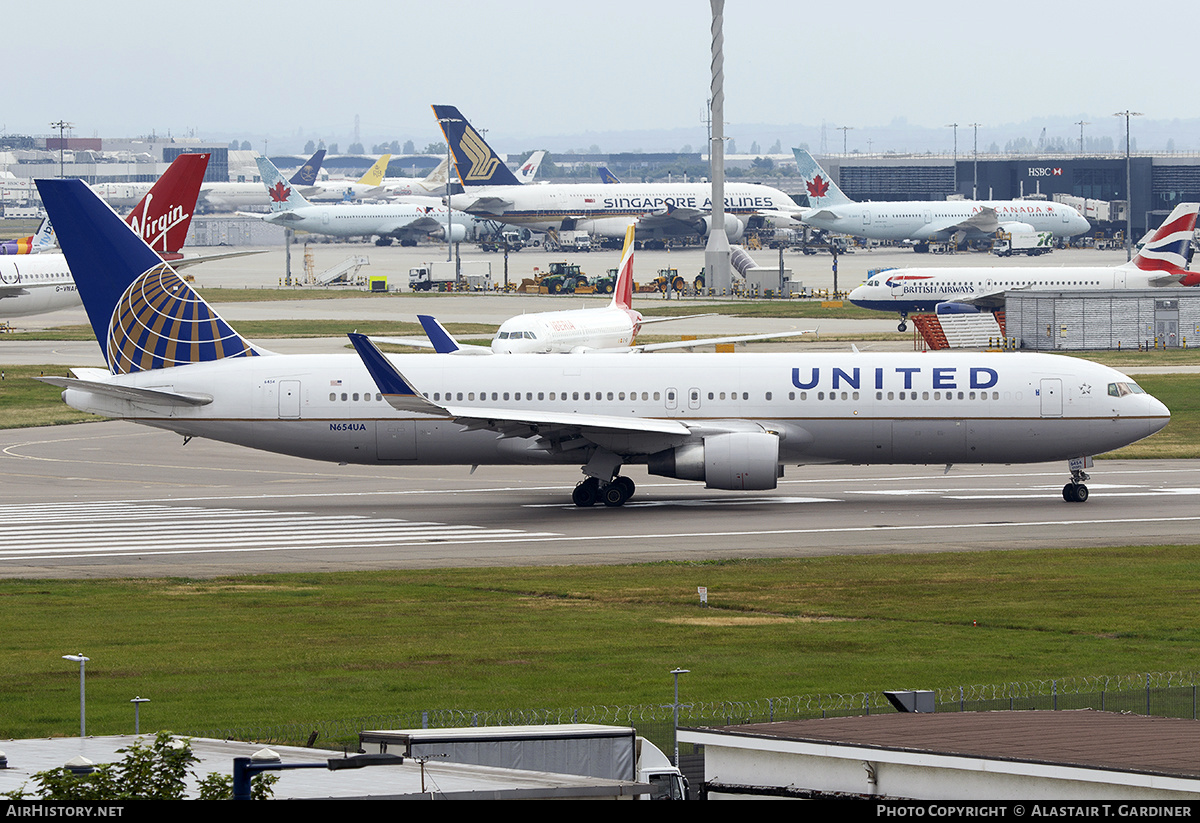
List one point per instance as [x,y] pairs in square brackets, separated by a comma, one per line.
[443,342]
[477,164]
[623,288]
[391,383]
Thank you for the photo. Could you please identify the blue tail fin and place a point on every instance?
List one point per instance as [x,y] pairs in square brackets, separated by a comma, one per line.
[143,314]
[607,176]
[477,164]
[306,175]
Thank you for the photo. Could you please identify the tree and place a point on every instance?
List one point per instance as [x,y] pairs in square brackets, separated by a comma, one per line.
[155,771]
[434,148]
[355,148]
[333,148]
[776,148]
[409,148]
[309,147]
[754,149]
[245,145]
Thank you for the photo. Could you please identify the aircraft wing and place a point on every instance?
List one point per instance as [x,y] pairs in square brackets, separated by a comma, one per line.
[155,397]
[555,429]
[488,205]
[743,338]
[184,262]
[985,221]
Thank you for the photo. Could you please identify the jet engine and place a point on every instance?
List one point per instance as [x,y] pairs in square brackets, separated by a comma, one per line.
[737,460]
[458,232]
[1017,227]
[733,226]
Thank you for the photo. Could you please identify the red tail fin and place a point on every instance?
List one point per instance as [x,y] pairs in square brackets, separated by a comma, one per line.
[164,215]
[623,288]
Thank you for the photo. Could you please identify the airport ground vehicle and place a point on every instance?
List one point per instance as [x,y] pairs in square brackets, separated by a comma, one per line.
[613,752]
[496,242]
[476,275]
[1022,242]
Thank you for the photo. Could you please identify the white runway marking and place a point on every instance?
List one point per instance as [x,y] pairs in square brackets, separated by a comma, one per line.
[115,529]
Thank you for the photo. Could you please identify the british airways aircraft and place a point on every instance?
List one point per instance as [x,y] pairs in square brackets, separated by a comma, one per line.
[1161,262]
[923,221]
[661,210]
[731,421]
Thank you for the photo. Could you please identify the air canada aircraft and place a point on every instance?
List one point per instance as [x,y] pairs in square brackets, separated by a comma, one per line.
[33,284]
[923,221]
[731,421]
[608,329]
[957,289]
[661,210]
[388,221]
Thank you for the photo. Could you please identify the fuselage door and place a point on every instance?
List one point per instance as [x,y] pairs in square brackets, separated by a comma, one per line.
[693,398]
[289,399]
[1051,395]
[672,399]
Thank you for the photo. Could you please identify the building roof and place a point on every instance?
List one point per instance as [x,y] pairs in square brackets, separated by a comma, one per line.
[1080,738]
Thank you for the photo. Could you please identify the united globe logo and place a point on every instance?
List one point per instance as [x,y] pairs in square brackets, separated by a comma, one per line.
[161,322]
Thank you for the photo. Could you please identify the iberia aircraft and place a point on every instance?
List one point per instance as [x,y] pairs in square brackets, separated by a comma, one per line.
[923,221]
[611,328]
[660,209]
[1161,262]
[731,421]
[34,284]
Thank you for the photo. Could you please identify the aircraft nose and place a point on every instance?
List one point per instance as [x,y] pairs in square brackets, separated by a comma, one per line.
[1157,413]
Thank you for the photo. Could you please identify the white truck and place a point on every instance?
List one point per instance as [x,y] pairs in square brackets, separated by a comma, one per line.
[591,750]
[1031,243]
[477,275]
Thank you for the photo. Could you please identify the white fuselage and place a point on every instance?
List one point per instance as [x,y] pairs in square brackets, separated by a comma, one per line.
[933,407]
[34,284]
[364,219]
[924,221]
[921,290]
[608,209]
[564,331]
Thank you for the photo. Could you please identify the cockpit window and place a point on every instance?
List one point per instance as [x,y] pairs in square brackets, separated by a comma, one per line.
[1124,388]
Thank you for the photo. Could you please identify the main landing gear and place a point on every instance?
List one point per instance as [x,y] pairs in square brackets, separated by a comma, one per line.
[591,491]
[1075,491]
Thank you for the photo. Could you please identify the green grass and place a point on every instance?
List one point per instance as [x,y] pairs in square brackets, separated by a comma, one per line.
[276,649]
[27,402]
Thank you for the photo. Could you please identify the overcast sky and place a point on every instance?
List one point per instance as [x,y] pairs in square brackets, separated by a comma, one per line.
[577,73]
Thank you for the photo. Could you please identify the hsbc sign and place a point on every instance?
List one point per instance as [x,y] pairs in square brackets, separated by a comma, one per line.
[1045,172]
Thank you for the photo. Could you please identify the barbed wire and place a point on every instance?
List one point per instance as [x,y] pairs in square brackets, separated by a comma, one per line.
[656,720]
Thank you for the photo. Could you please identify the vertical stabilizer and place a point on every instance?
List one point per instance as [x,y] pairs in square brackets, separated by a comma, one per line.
[164,215]
[477,164]
[306,175]
[623,288]
[284,196]
[820,189]
[375,174]
[143,314]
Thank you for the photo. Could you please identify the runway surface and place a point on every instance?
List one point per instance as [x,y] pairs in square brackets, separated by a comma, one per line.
[114,499]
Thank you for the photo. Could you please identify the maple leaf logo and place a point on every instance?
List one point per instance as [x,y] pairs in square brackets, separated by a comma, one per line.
[818,187]
[279,192]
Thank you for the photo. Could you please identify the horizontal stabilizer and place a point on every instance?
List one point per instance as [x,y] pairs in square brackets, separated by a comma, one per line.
[158,397]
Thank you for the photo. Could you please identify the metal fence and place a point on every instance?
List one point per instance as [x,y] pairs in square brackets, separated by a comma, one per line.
[1171,694]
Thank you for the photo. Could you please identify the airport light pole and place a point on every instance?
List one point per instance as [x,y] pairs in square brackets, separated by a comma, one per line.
[955,127]
[1128,185]
[62,126]
[675,705]
[82,661]
[1081,124]
[975,169]
[843,130]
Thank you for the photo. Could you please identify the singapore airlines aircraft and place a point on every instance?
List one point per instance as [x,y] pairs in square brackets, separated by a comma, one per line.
[1161,262]
[660,209]
[923,221]
[33,284]
[731,421]
[403,221]
[612,328]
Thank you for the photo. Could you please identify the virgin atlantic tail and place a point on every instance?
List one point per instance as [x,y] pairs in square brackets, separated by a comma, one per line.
[164,215]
